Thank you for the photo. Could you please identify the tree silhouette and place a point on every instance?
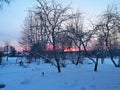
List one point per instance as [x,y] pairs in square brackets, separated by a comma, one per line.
[4,1]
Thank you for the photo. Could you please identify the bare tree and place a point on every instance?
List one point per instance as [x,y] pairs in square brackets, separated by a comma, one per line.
[55,15]
[80,36]
[26,39]
[108,28]
[76,29]
[33,31]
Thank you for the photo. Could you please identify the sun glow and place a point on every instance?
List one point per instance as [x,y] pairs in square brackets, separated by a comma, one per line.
[72,49]
[49,47]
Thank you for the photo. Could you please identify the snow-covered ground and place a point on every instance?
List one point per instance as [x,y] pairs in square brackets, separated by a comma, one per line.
[81,77]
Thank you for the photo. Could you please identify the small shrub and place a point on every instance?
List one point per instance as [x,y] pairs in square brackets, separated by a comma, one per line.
[47,61]
[63,65]
[21,63]
[2,85]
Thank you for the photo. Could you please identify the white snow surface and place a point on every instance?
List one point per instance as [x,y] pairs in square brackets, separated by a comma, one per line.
[81,77]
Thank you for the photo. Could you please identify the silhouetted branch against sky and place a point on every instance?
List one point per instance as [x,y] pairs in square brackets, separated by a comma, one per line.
[4,1]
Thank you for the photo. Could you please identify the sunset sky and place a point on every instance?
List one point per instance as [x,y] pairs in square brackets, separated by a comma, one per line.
[12,16]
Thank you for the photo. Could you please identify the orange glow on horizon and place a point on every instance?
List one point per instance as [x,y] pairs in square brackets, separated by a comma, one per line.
[71,49]
[49,47]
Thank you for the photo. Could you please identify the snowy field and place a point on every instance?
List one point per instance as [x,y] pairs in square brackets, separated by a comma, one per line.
[81,77]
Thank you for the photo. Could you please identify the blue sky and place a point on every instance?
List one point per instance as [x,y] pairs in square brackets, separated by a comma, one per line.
[12,16]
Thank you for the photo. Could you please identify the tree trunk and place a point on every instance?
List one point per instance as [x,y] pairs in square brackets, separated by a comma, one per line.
[78,60]
[111,56]
[96,64]
[78,57]
[85,50]
[55,55]
[58,65]
[107,45]
[102,60]
[57,60]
